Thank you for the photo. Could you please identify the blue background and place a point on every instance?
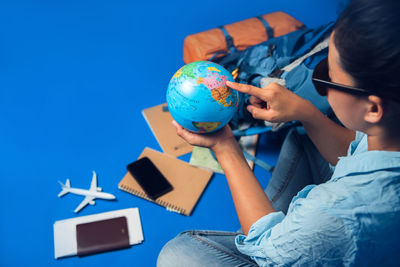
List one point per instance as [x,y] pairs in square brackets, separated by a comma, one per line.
[74,77]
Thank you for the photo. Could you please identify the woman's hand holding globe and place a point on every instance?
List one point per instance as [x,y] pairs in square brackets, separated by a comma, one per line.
[217,141]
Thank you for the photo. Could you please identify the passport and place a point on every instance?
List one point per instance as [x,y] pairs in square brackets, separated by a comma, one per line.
[100,236]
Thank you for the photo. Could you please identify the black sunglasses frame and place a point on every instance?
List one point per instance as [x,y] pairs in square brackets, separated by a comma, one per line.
[322,82]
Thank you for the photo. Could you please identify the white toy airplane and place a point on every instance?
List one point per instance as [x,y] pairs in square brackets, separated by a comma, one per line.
[90,195]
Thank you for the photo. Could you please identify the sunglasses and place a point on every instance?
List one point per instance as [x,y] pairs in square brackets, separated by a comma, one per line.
[322,82]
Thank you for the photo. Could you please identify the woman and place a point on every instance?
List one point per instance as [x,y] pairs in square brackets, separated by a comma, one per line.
[353,216]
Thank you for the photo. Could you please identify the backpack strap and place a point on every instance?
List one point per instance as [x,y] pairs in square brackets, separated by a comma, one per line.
[258,161]
[268,29]
[322,45]
[277,72]
[228,40]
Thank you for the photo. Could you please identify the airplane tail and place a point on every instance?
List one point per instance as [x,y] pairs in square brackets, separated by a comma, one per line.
[65,188]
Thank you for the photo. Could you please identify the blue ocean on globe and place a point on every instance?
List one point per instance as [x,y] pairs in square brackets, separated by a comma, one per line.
[198,98]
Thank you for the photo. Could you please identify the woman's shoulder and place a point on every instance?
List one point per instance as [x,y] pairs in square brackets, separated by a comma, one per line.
[359,197]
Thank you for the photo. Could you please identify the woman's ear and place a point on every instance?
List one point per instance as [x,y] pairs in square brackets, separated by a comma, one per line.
[375,109]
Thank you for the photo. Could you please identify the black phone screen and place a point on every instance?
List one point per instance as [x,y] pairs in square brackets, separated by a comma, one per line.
[149,178]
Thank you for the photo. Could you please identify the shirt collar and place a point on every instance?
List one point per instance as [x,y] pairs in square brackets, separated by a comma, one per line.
[360,144]
[368,161]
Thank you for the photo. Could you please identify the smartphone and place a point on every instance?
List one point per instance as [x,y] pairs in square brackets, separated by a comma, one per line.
[152,181]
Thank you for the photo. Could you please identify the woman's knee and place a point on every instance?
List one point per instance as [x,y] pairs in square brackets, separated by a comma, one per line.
[176,252]
[202,248]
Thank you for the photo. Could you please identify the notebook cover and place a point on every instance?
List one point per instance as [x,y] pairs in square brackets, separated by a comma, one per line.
[159,120]
[100,236]
[188,182]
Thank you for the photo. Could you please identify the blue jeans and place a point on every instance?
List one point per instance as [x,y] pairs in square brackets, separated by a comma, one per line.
[299,164]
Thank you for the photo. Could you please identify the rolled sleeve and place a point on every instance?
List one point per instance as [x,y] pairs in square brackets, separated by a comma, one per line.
[297,238]
[260,230]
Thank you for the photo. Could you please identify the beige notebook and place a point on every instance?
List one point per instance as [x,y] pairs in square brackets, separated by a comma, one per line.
[159,120]
[188,182]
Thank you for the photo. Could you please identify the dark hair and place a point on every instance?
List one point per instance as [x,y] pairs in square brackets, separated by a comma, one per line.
[367,38]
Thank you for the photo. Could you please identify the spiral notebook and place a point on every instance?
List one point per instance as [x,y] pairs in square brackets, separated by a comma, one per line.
[188,182]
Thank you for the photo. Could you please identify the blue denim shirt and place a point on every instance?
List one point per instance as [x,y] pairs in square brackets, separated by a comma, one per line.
[353,219]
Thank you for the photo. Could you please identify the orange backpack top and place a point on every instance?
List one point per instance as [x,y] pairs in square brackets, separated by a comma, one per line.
[220,41]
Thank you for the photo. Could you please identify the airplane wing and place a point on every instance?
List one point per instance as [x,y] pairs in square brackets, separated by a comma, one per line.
[84,202]
[93,185]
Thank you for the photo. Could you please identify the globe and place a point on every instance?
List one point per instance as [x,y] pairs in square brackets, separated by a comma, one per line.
[198,98]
